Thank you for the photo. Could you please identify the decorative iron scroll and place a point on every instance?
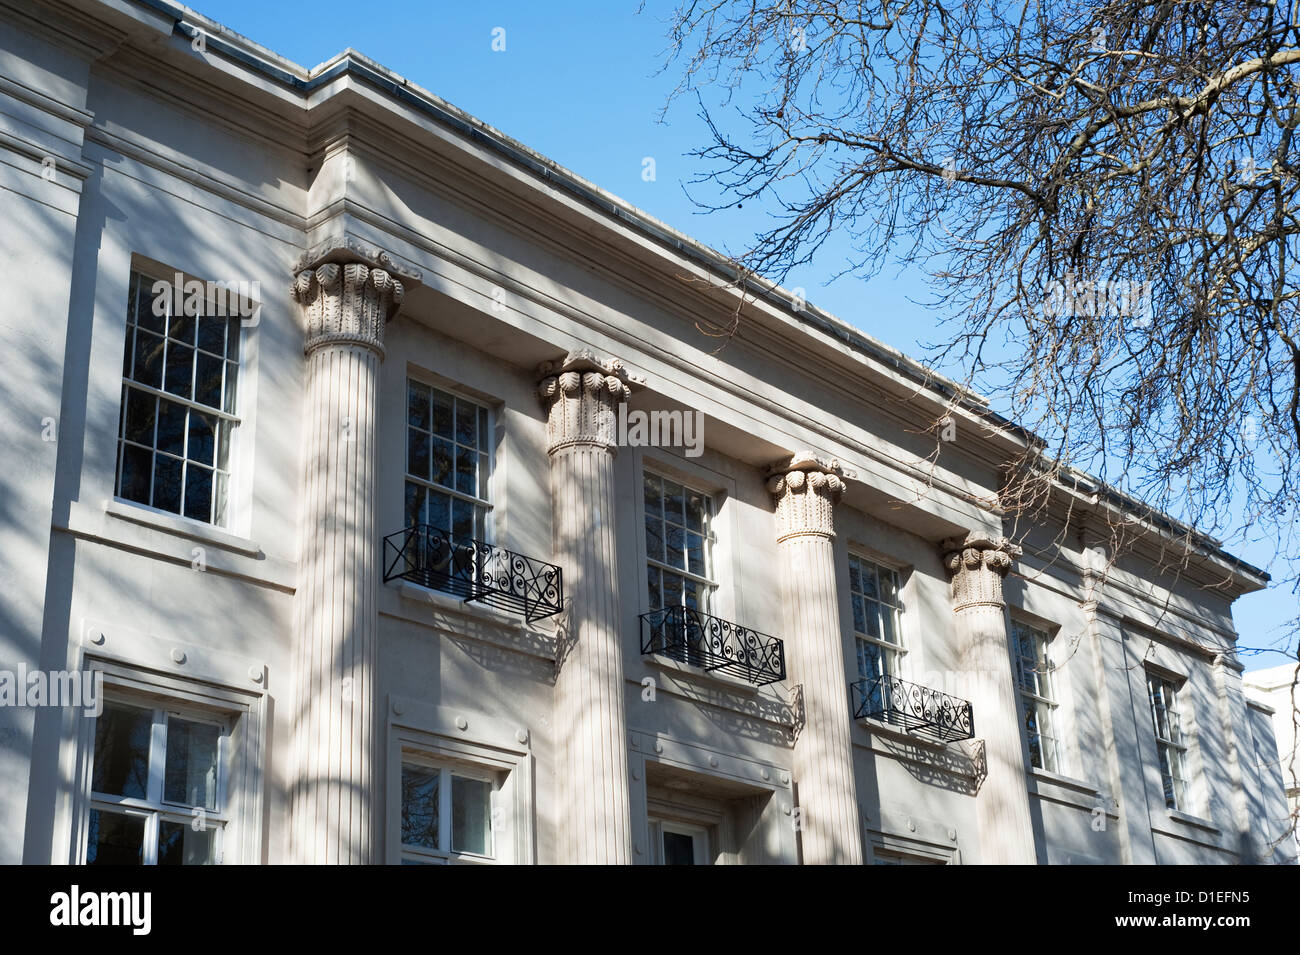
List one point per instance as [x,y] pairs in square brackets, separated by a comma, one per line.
[429,556]
[712,643]
[920,709]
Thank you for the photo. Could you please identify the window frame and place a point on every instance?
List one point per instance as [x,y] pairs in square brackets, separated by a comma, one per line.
[154,807]
[147,274]
[1176,791]
[1042,703]
[708,583]
[446,853]
[488,451]
[898,650]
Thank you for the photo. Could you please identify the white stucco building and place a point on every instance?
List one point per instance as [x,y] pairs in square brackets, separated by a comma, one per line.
[377,568]
[1272,698]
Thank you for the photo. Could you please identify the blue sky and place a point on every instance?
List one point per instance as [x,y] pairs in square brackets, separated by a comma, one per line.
[579,82]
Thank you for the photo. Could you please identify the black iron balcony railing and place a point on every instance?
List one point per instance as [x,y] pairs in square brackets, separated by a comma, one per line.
[712,643]
[429,556]
[920,709]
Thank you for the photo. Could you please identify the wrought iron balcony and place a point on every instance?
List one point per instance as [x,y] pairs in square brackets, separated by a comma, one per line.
[429,556]
[920,709]
[712,643]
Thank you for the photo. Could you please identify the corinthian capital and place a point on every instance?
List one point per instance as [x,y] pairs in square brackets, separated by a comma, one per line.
[805,490]
[348,289]
[581,394]
[977,566]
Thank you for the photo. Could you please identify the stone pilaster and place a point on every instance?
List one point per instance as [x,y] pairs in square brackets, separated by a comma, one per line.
[346,299]
[581,395]
[805,492]
[978,566]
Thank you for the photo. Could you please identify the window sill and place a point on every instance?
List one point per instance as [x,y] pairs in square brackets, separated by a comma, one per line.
[876,726]
[695,673]
[450,603]
[1188,819]
[181,527]
[1059,779]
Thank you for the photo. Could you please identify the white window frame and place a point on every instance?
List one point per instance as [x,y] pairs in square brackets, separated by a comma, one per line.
[149,274]
[699,836]
[445,853]
[1174,745]
[489,451]
[1045,705]
[708,582]
[896,651]
[421,732]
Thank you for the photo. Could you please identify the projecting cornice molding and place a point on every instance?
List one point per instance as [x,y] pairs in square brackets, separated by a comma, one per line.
[805,490]
[978,565]
[581,394]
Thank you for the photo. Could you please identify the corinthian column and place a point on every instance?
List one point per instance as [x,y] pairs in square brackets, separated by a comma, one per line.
[581,395]
[805,491]
[346,300]
[978,566]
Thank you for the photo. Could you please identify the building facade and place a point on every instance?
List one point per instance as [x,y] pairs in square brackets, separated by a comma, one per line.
[402,492]
[1271,698]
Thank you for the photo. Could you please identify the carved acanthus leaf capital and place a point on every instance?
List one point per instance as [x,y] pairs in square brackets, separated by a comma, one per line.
[805,490]
[346,303]
[581,394]
[977,566]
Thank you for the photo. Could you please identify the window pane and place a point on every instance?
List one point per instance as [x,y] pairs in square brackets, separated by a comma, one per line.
[676,545]
[148,359]
[203,438]
[171,428]
[228,405]
[466,481]
[695,554]
[418,453]
[420,806]
[140,411]
[462,519]
[212,335]
[442,463]
[859,615]
[192,760]
[167,483]
[220,496]
[471,815]
[121,766]
[180,844]
[855,575]
[696,511]
[438,511]
[114,839]
[414,504]
[442,413]
[181,328]
[679,849]
[466,424]
[150,311]
[137,464]
[653,496]
[417,406]
[654,537]
[674,502]
[207,380]
[198,492]
[180,369]
[484,439]
[656,596]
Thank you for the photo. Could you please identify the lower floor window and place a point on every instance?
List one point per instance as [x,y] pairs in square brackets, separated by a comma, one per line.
[158,783]
[446,814]
[680,843]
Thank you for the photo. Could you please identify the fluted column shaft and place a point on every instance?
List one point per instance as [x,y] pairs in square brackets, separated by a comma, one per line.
[581,395]
[805,492]
[977,567]
[333,783]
